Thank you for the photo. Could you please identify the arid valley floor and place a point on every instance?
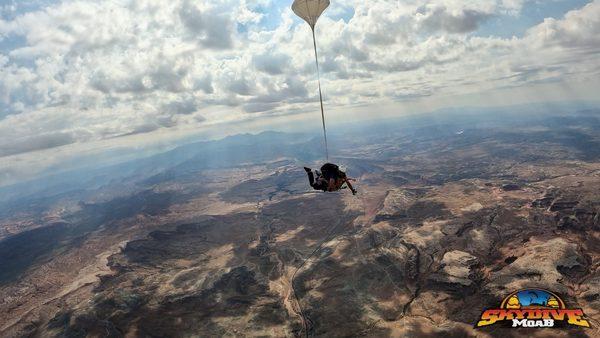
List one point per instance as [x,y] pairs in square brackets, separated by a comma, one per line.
[450,217]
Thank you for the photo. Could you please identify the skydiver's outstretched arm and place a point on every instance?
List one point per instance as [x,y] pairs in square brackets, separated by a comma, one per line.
[347,180]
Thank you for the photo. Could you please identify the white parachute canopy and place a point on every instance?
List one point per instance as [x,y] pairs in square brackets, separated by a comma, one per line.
[310,10]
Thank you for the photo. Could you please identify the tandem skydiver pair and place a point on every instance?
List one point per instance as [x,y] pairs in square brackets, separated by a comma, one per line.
[330,178]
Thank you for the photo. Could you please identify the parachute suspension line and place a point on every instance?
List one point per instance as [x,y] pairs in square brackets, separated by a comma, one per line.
[310,11]
[320,93]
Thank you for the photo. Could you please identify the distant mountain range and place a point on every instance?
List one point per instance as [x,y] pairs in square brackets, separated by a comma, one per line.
[269,145]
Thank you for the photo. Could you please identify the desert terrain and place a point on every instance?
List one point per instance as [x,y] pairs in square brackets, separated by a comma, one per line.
[451,216]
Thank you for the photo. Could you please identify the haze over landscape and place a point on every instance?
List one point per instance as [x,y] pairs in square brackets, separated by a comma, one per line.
[81,77]
[151,155]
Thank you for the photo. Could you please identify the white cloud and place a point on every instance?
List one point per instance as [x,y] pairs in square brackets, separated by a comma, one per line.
[91,70]
[579,29]
[211,26]
[440,18]
[273,63]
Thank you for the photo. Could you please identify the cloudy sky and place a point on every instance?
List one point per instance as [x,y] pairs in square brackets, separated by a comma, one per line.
[80,73]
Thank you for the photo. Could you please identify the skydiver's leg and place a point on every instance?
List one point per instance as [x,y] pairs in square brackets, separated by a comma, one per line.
[311,176]
[350,186]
